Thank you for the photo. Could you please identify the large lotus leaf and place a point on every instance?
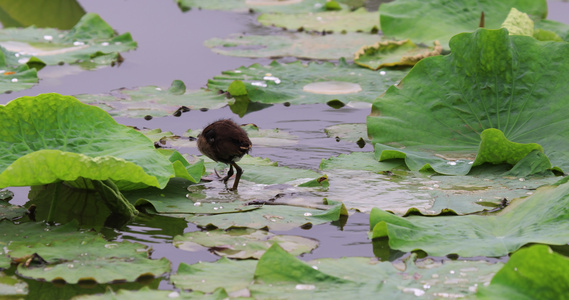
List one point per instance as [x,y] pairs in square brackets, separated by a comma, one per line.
[243,243]
[297,83]
[73,256]
[274,217]
[531,273]
[153,101]
[90,42]
[52,137]
[540,218]
[337,21]
[287,6]
[394,54]
[490,80]
[301,45]
[278,273]
[146,293]
[440,20]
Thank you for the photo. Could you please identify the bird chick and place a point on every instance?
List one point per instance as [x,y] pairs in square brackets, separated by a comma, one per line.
[226,142]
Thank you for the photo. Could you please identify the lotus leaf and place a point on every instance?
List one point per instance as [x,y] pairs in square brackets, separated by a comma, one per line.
[52,137]
[152,100]
[301,45]
[90,41]
[13,76]
[348,132]
[561,29]
[11,287]
[243,243]
[10,212]
[294,82]
[274,217]
[394,54]
[440,20]
[73,256]
[531,273]
[278,273]
[539,218]
[492,88]
[287,6]
[336,21]
[146,293]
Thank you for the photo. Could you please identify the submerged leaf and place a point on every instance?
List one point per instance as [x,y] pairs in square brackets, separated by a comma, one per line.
[491,81]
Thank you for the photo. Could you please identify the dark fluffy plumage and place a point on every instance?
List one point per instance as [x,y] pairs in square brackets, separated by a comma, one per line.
[226,142]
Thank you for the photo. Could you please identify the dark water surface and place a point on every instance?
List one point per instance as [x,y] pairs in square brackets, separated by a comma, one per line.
[170,46]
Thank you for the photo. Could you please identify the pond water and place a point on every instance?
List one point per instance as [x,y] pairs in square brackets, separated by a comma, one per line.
[170,46]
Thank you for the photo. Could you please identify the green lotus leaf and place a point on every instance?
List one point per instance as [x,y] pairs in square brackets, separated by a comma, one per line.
[10,212]
[279,273]
[540,218]
[274,217]
[289,6]
[146,293]
[72,256]
[300,45]
[348,132]
[337,21]
[560,29]
[90,42]
[297,83]
[51,137]
[207,277]
[358,161]
[393,54]
[491,82]
[243,243]
[56,14]
[152,100]
[531,273]
[12,287]
[15,76]
[439,20]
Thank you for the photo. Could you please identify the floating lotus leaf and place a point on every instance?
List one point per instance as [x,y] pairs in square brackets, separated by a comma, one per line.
[278,273]
[274,217]
[10,212]
[540,218]
[50,137]
[294,44]
[490,99]
[292,82]
[73,256]
[90,42]
[12,287]
[440,20]
[394,54]
[336,21]
[280,6]
[153,101]
[348,132]
[363,183]
[146,293]
[15,76]
[243,243]
[531,273]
